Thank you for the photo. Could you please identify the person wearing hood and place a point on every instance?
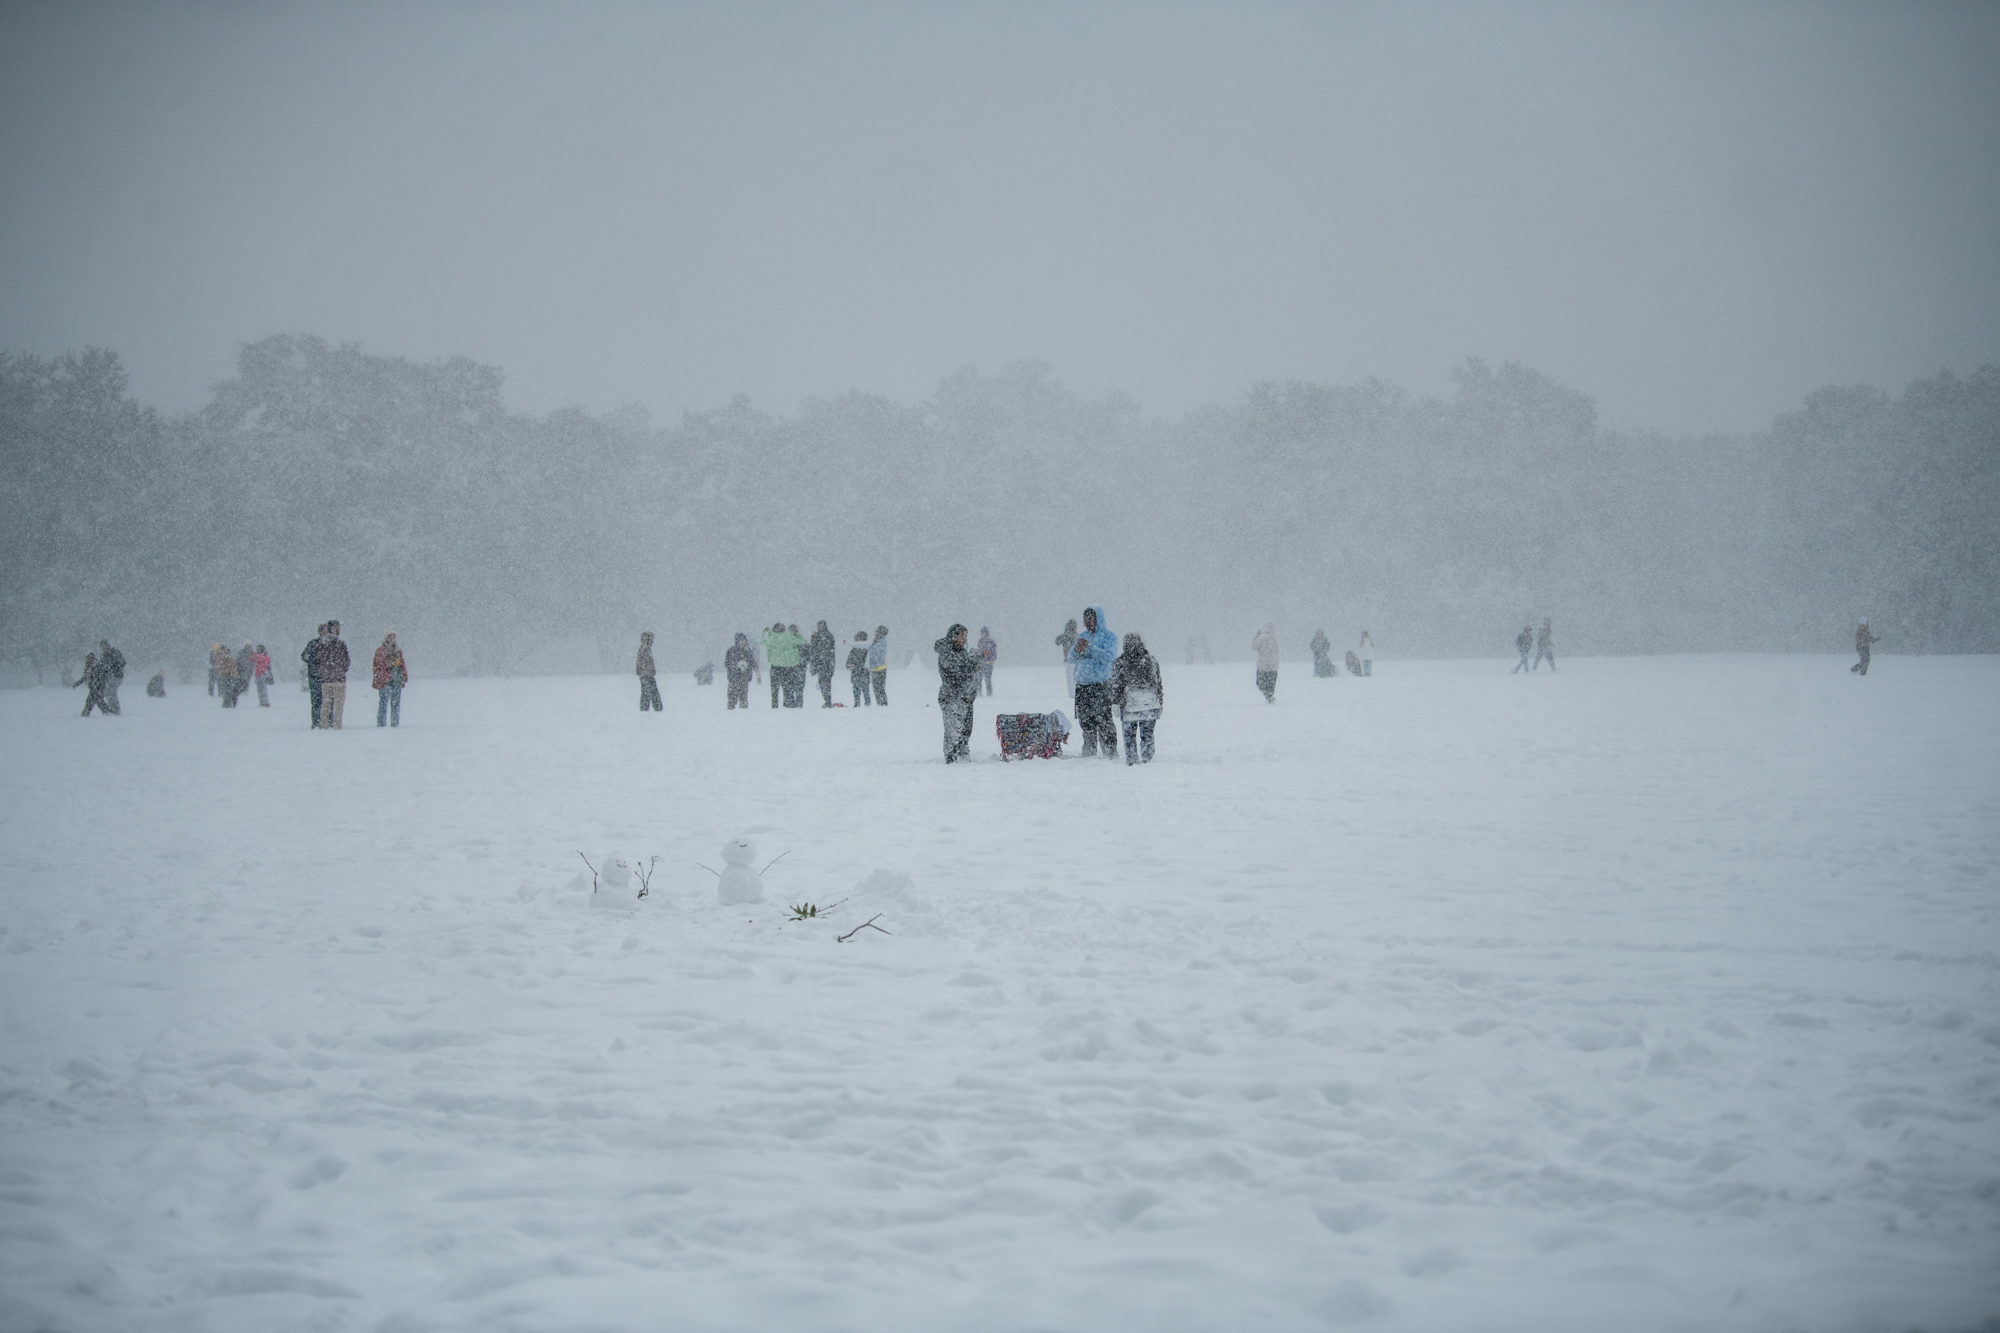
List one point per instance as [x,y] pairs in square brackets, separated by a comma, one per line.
[1064,642]
[989,653]
[820,650]
[649,675]
[1266,643]
[1093,654]
[1545,645]
[333,663]
[739,664]
[958,689]
[878,665]
[857,668]
[389,673]
[1322,655]
[1140,695]
[260,671]
[1863,641]
[113,663]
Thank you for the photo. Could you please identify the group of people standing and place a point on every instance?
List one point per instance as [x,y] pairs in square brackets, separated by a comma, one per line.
[1543,643]
[327,662]
[791,658]
[231,675]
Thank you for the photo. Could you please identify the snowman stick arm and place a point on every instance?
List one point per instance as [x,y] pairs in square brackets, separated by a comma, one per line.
[593,872]
[773,861]
[716,873]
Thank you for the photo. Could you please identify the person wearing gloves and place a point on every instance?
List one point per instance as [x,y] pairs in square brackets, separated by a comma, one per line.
[389,675]
[1140,695]
[878,665]
[1266,644]
[857,668]
[1094,653]
[958,689]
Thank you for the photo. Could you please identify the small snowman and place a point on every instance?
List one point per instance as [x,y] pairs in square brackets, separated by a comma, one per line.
[739,883]
[615,890]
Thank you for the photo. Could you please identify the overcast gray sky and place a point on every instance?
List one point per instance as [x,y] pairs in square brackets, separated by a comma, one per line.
[1694,213]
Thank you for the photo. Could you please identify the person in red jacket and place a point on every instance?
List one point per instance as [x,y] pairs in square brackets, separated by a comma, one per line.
[391,674]
[333,664]
[260,670]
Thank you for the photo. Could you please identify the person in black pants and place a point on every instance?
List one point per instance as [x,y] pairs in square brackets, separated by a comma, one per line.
[857,669]
[311,658]
[819,657]
[958,688]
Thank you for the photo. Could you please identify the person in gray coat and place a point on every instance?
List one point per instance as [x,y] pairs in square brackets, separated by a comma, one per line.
[958,689]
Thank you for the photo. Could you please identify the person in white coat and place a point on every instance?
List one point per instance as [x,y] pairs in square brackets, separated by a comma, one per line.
[1266,644]
[1366,652]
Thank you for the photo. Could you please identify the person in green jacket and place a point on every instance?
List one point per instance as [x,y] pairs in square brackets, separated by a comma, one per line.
[783,649]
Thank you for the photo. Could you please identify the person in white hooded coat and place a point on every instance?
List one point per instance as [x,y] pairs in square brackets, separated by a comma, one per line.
[1266,644]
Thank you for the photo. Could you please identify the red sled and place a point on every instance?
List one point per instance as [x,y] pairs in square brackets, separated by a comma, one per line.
[1031,735]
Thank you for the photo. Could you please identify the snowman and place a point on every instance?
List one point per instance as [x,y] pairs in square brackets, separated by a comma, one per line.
[739,883]
[615,889]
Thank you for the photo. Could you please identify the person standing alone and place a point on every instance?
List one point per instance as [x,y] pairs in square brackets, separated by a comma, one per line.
[649,682]
[1094,653]
[389,676]
[333,663]
[958,688]
[878,665]
[1366,652]
[989,653]
[1862,641]
[1265,641]
[1525,642]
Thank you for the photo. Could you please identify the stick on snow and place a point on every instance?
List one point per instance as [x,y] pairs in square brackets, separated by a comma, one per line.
[869,924]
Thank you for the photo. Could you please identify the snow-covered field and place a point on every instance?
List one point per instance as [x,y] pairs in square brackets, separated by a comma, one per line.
[1660,994]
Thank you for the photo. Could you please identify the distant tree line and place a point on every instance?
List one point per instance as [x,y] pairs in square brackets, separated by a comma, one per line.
[322,480]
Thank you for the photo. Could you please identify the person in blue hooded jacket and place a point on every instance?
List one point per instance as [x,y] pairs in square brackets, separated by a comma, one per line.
[1095,652]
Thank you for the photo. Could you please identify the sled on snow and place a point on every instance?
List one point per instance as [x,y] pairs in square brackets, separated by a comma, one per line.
[1031,735]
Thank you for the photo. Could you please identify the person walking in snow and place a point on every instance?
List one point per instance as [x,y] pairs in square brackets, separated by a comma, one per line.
[739,664]
[958,690]
[1265,641]
[92,679]
[783,647]
[246,669]
[1093,654]
[113,664]
[1366,651]
[820,650]
[1545,645]
[1525,641]
[1862,641]
[857,668]
[333,664]
[389,675]
[310,656]
[1140,694]
[878,665]
[989,653]
[260,671]
[1064,642]
[1322,647]
[649,675]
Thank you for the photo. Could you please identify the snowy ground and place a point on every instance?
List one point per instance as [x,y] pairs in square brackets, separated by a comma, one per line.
[1660,994]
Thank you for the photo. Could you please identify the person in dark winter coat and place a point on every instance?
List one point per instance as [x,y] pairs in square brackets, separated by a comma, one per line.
[1094,653]
[310,656]
[1322,655]
[246,669]
[333,663]
[225,675]
[1139,693]
[820,651]
[649,676]
[958,689]
[92,679]
[857,668]
[112,662]
[1545,645]
[739,664]
[1862,642]
[1525,641]
[989,653]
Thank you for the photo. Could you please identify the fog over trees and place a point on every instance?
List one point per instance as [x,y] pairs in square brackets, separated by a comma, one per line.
[323,480]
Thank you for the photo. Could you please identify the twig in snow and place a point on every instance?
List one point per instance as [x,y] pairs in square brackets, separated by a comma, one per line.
[773,861]
[716,873]
[645,874]
[869,924]
[593,873]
